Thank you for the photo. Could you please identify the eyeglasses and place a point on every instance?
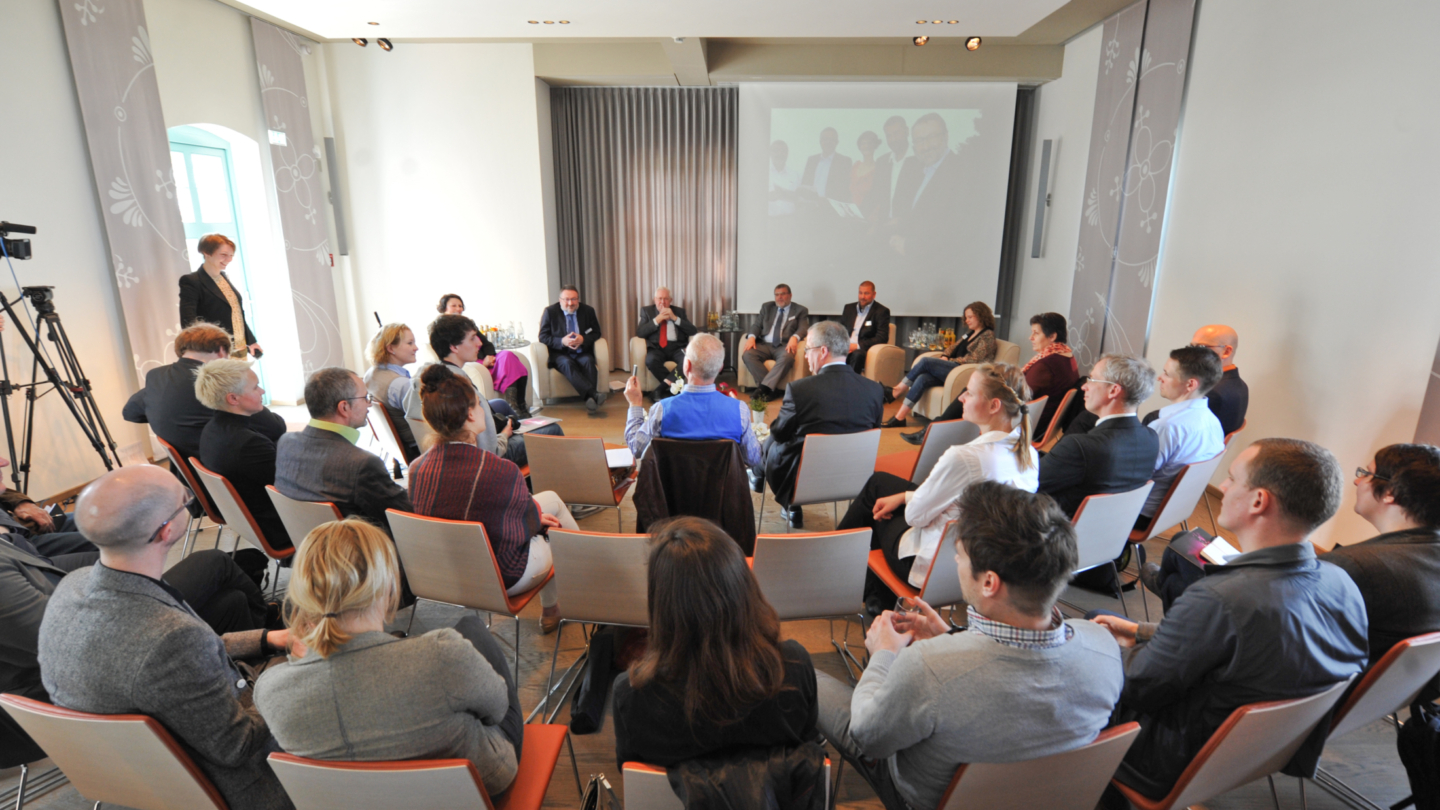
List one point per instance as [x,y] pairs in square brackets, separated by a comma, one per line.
[1361,472]
[367,398]
[184,507]
[1107,382]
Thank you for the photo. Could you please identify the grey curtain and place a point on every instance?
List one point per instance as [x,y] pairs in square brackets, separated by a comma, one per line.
[130,154]
[645,196]
[1132,148]
[297,165]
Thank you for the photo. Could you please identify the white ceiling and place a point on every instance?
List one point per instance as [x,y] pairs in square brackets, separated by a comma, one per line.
[463,19]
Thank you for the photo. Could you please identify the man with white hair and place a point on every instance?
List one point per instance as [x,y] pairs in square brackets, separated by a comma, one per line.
[231,447]
[118,639]
[699,412]
[666,331]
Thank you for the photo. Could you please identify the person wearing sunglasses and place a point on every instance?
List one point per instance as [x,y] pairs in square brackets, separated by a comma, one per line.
[121,637]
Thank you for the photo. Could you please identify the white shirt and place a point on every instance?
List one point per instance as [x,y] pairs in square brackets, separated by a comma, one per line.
[822,173]
[785,180]
[896,161]
[990,457]
[1189,432]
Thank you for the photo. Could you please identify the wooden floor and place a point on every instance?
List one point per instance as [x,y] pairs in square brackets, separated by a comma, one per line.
[1366,759]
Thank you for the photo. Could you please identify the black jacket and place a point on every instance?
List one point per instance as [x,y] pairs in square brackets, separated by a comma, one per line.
[700,478]
[201,300]
[553,330]
[877,326]
[648,330]
[168,404]
[1398,575]
[1273,624]
[1117,455]
[231,446]
[833,400]
[929,224]
[837,181]
[1229,400]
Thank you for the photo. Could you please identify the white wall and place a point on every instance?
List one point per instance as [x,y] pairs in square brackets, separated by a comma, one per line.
[48,183]
[442,179]
[1066,106]
[1303,213]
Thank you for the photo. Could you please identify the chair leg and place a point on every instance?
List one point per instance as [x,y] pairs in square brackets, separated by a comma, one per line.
[1304,805]
[574,766]
[760,515]
[517,649]
[1119,591]
[1205,496]
[1273,795]
[20,791]
[415,608]
[550,681]
[839,772]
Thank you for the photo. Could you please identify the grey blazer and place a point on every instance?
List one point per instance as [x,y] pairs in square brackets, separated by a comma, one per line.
[797,322]
[383,698]
[321,465]
[26,582]
[114,643]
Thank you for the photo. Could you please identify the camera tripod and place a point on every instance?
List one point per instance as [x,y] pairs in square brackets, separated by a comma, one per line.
[67,380]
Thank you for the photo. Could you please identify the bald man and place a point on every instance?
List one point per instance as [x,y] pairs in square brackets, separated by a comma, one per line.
[1230,397]
[118,639]
[666,331]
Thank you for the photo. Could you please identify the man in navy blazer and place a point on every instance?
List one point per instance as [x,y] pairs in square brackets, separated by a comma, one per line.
[1119,453]
[570,329]
[834,399]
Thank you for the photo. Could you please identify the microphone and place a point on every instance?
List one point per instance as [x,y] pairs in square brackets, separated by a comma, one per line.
[10,227]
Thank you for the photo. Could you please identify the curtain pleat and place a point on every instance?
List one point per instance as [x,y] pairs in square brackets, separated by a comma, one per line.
[645,191]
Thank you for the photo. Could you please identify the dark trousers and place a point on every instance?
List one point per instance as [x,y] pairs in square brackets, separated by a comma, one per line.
[475,632]
[579,369]
[955,410]
[856,359]
[515,449]
[885,534]
[223,595]
[655,359]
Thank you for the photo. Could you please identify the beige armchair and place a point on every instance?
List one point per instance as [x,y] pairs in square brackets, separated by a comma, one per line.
[637,358]
[484,382]
[797,370]
[885,363]
[550,384]
[937,399]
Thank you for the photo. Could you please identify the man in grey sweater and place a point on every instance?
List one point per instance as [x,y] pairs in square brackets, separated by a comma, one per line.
[1021,683]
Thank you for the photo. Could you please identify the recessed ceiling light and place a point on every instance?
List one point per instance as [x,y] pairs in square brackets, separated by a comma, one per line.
[920,40]
[549,22]
[921,22]
[361,41]
[952,22]
[533,22]
[373,23]
[564,22]
[937,22]
[972,44]
[385,44]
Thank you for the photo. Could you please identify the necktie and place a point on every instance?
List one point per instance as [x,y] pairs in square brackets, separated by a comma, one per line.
[775,330]
[664,327]
[570,325]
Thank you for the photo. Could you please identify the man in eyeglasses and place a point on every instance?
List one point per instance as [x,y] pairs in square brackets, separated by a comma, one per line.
[122,636]
[323,463]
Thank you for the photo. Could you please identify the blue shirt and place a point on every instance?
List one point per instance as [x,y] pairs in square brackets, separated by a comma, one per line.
[399,387]
[1189,432]
[641,428]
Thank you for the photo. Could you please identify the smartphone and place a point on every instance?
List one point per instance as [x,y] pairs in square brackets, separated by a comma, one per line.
[635,371]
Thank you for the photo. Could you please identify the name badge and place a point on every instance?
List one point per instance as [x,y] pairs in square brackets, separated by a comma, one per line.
[867,323]
[792,317]
[591,329]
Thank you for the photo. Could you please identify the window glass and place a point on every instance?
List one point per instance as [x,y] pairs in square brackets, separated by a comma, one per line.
[182,187]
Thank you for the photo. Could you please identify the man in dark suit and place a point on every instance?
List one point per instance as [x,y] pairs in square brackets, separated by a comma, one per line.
[229,446]
[827,174]
[868,323]
[832,400]
[666,331]
[168,403]
[887,170]
[322,463]
[1119,453]
[781,323]
[927,198]
[570,329]
[1230,397]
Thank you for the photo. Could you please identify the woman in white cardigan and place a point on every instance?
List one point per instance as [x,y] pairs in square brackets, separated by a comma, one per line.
[907,520]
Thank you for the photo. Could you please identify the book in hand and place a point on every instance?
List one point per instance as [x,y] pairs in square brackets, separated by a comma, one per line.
[527,425]
[1199,547]
[1219,551]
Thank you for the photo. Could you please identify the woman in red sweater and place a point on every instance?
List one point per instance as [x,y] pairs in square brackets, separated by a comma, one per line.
[456,480]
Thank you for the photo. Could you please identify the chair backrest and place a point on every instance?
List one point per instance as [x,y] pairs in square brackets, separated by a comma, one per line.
[236,513]
[1032,415]
[384,431]
[602,577]
[806,576]
[648,787]
[1392,682]
[191,481]
[1007,352]
[942,584]
[448,561]
[421,784]
[572,467]
[421,430]
[1103,524]
[1054,426]
[1071,780]
[1256,740]
[1185,492]
[301,517]
[891,341]
[123,759]
[1231,434]
[939,437]
[835,467]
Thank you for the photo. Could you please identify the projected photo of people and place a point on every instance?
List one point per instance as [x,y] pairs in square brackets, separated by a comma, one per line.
[784,181]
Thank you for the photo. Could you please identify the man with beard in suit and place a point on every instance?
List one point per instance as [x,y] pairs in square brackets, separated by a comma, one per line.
[868,322]
[926,197]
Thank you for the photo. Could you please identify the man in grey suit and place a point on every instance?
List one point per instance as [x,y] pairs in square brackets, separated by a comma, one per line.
[782,323]
[118,639]
[322,463]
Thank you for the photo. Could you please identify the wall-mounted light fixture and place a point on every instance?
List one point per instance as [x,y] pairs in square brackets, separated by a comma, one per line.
[921,40]
[972,44]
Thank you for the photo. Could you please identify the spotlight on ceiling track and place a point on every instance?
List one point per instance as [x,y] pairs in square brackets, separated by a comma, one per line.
[972,44]
[361,41]
[920,41]
[385,44]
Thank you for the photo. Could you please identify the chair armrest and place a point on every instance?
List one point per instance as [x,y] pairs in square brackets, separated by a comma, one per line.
[801,368]
[531,393]
[480,375]
[638,349]
[956,380]
[540,369]
[602,365]
[885,364]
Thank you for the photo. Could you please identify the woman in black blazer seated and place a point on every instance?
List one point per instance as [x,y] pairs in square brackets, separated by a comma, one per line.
[208,295]
[715,677]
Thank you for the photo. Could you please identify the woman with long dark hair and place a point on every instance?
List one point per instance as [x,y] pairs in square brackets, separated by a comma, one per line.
[715,676]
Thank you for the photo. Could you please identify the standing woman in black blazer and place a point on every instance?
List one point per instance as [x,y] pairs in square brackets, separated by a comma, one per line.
[208,295]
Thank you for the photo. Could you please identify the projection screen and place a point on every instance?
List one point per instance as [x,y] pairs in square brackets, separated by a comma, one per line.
[902,184]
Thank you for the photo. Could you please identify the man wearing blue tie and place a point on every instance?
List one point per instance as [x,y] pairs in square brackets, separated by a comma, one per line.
[570,330]
[781,324]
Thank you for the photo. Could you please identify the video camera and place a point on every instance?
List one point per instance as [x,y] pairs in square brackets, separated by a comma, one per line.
[16,248]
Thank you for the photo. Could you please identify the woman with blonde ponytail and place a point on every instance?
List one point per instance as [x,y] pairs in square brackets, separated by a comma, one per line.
[909,520]
[351,691]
